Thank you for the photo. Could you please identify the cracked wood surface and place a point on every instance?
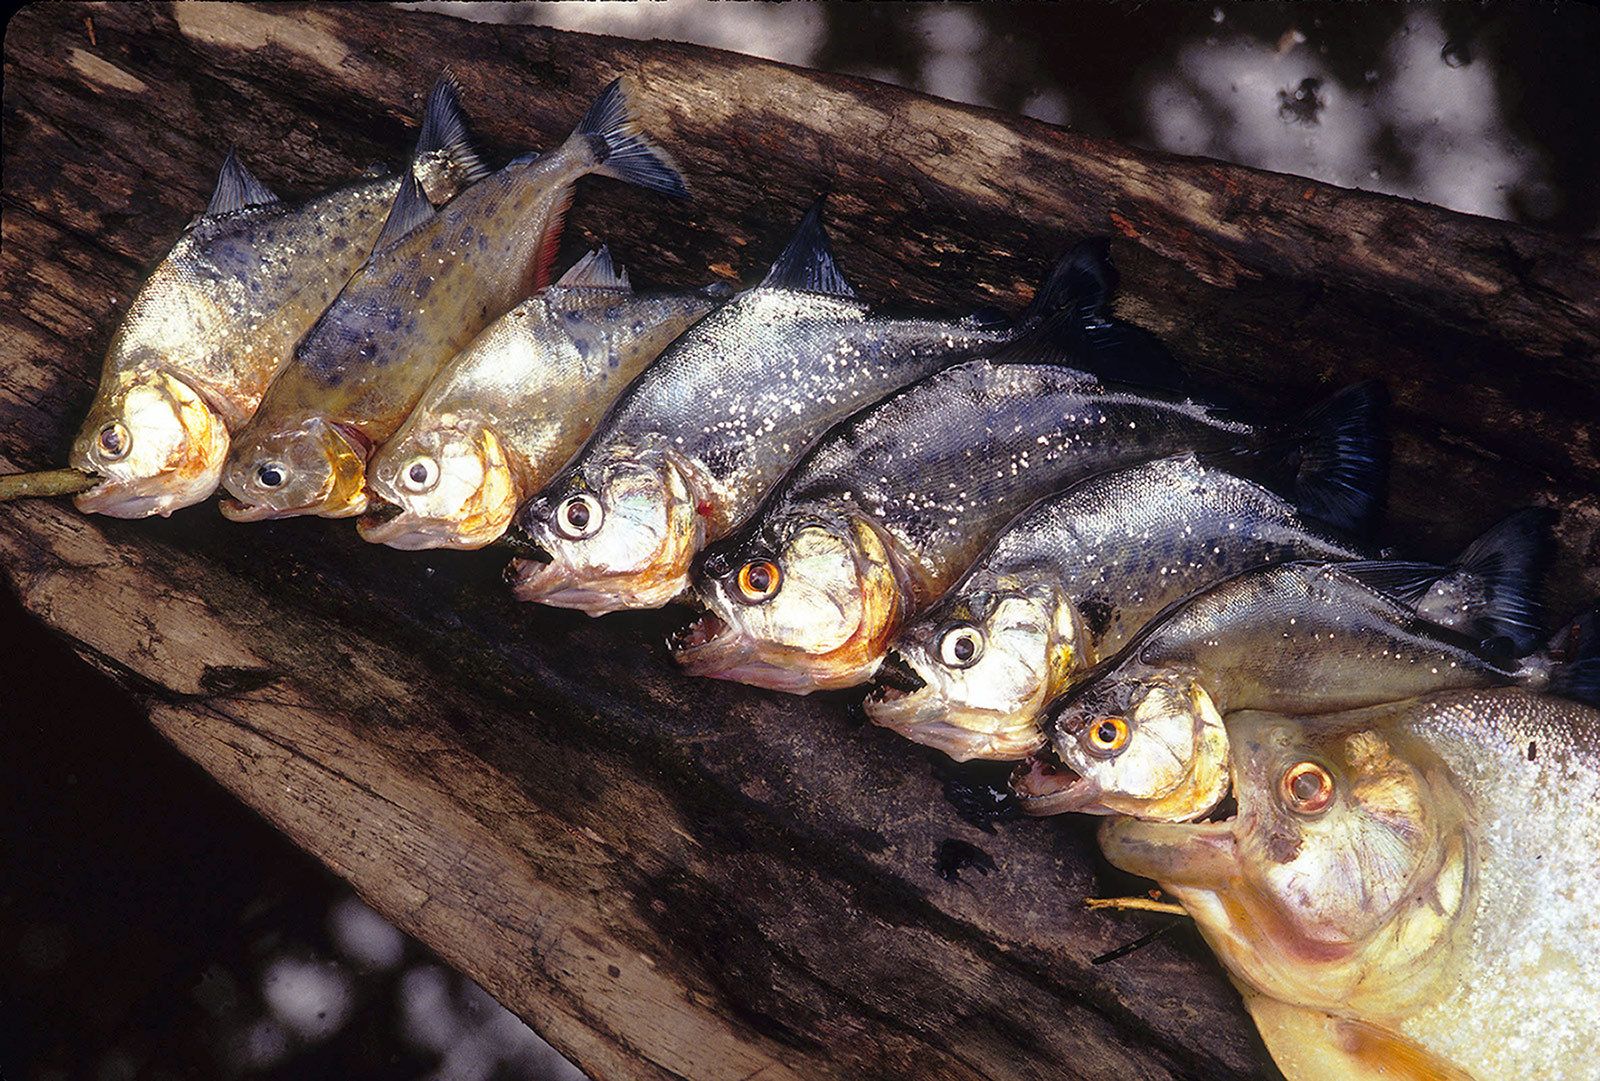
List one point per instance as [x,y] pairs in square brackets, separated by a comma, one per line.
[669,878]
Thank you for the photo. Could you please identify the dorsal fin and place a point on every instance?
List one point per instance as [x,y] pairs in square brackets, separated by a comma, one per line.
[237,188]
[411,208]
[444,159]
[807,263]
[595,271]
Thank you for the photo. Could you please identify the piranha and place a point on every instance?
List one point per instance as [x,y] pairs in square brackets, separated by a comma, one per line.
[511,408]
[1075,575]
[1403,891]
[1143,733]
[219,317]
[887,509]
[436,278]
[691,447]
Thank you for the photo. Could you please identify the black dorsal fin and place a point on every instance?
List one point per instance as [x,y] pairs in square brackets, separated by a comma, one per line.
[237,188]
[595,271]
[411,209]
[445,138]
[807,263]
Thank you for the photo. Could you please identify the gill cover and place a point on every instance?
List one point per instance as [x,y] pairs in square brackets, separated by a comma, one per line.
[157,443]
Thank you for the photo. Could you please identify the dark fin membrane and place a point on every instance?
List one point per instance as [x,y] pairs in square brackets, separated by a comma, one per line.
[1335,460]
[445,138]
[1576,652]
[1406,581]
[411,209]
[595,271]
[1068,323]
[807,262]
[237,188]
[625,153]
[1495,581]
[987,318]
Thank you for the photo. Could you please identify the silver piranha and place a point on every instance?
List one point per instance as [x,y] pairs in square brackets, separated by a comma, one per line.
[219,317]
[890,507]
[1401,893]
[436,278]
[1073,576]
[697,441]
[1142,734]
[513,407]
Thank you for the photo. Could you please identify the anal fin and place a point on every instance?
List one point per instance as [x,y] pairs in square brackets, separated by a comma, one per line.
[1309,1045]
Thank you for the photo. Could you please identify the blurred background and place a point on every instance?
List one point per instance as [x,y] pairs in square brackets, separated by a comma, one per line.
[151,927]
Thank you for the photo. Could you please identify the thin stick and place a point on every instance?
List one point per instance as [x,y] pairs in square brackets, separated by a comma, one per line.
[1140,904]
[1137,944]
[46,482]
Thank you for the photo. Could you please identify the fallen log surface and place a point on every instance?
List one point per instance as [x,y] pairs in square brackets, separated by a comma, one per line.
[671,878]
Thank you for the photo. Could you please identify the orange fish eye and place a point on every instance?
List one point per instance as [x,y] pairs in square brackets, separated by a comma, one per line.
[1307,788]
[114,441]
[759,580]
[1107,736]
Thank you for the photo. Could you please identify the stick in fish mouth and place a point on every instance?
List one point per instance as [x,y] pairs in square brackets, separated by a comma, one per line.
[45,483]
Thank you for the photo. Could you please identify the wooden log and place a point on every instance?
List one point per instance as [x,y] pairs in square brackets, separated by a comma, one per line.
[684,879]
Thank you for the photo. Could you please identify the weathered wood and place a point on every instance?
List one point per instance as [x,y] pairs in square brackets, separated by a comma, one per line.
[669,878]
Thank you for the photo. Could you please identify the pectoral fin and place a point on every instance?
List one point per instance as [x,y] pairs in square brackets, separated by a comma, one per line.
[1309,1045]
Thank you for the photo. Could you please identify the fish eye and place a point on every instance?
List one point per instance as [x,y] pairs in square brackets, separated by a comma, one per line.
[759,580]
[270,475]
[420,474]
[961,646]
[1106,737]
[1307,788]
[114,441]
[579,517]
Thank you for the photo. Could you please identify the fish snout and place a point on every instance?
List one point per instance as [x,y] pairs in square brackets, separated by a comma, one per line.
[520,543]
[895,678]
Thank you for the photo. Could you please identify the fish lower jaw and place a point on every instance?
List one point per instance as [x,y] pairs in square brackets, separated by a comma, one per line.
[964,742]
[538,583]
[237,510]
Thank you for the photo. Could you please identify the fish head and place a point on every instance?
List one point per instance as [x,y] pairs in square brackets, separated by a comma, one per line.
[307,467]
[800,603]
[618,529]
[971,675]
[1148,743]
[442,482]
[1344,870]
[156,442]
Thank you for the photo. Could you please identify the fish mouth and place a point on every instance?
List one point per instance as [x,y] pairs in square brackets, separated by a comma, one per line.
[700,629]
[896,680]
[1045,785]
[237,510]
[525,548]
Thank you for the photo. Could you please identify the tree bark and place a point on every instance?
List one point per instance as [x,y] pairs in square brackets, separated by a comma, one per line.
[672,878]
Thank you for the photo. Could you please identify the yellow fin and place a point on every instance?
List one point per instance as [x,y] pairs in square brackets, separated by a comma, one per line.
[1309,1045]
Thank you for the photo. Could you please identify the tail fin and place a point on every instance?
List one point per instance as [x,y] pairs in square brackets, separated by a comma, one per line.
[1495,582]
[1337,460]
[1575,649]
[624,151]
[444,162]
[1069,322]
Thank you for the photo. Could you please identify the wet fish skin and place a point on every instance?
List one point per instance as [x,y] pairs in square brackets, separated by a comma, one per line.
[509,410]
[435,280]
[218,318]
[1427,913]
[1142,732]
[691,448]
[927,476]
[1067,582]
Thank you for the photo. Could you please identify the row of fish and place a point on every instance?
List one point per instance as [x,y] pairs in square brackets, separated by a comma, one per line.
[1360,774]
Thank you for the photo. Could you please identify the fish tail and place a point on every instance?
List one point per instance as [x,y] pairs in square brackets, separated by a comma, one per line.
[1506,566]
[1068,322]
[1575,653]
[1339,458]
[625,153]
